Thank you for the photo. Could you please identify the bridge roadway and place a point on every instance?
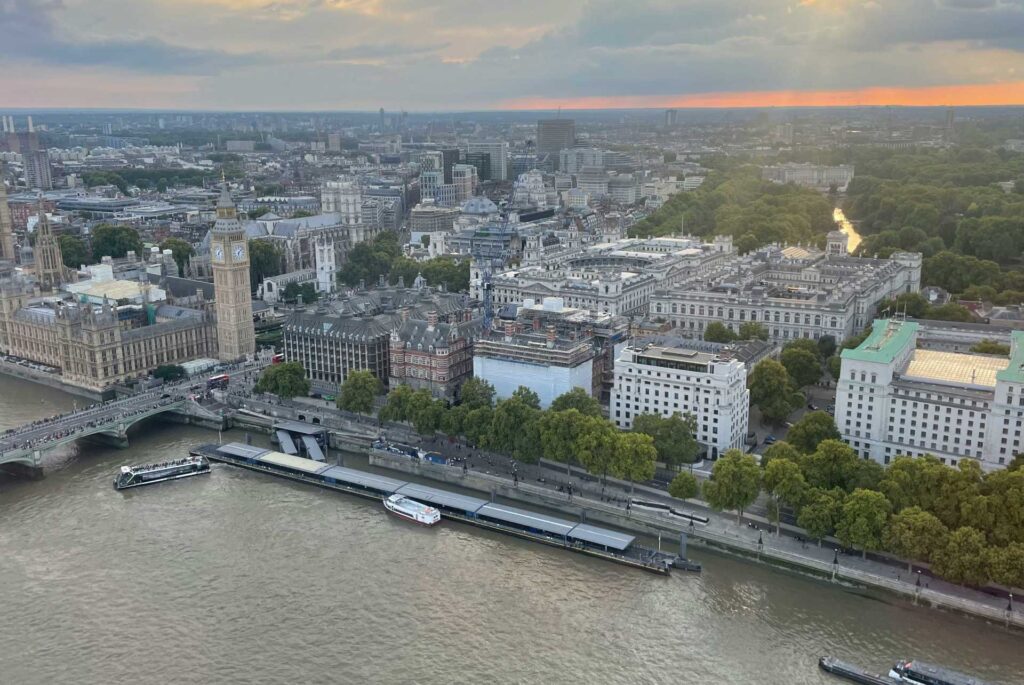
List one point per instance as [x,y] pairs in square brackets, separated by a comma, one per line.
[25,444]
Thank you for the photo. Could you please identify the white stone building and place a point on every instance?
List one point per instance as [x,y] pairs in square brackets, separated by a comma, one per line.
[894,399]
[664,380]
[326,266]
[344,197]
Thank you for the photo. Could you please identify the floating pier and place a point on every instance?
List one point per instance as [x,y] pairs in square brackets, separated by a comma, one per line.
[549,530]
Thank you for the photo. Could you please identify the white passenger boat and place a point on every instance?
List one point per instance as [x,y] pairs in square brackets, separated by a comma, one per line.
[412,510]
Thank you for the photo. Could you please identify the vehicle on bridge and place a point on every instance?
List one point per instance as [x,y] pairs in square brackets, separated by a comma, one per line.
[218,382]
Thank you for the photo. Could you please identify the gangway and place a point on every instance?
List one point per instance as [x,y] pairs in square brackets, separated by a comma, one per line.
[313,450]
[287,444]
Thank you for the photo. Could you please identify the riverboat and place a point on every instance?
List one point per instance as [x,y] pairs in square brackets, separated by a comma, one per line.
[146,474]
[923,673]
[412,510]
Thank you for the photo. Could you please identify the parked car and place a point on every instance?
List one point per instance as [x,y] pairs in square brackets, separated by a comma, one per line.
[770,440]
[812,407]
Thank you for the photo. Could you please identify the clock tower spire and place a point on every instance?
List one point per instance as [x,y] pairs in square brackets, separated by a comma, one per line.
[229,258]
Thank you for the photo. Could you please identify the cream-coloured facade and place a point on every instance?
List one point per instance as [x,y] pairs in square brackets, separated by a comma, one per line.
[229,256]
[95,346]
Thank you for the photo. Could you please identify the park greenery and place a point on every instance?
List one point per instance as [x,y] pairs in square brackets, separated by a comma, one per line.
[265,260]
[307,291]
[736,202]
[146,179]
[286,380]
[114,241]
[369,261]
[73,251]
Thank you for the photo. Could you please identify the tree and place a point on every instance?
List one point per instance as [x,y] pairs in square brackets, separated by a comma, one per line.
[674,436]
[476,393]
[964,559]
[779,450]
[73,251]
[265,260]
[578,399]
[633,458]
[559,431]
[803,367]
[286,380]
[717,331]
[812,428]
[427,419]
[915,305]
[990,347]
[180,250]
[784,481]
[527,397]
[752,330]
[684,486]
[833,464]
[1006,564]
[596,446]
[169,372]
[770,390]
[359,391]
[826,346]
[115,241]
[307,291]
[477,425]
[820,515]
[509,418]
[915,535]
[735,483]
[834,364]
[397,406]
[863,521]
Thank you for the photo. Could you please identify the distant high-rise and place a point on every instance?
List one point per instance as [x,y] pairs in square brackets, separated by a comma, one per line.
[671,117]
[464,179]
[555,135]
[37,170]
[380,123]
[449,158]
[498,151]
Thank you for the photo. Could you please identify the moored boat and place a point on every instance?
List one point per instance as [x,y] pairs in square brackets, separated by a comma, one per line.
[923,673]
[146,474]
[412,510]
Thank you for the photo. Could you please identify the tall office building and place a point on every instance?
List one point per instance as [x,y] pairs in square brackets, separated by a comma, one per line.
[464,179]
[481,161]
[429,182]
[37,170]
[555,135]
[498,151]
[229,253]
[671,117]
[449,158]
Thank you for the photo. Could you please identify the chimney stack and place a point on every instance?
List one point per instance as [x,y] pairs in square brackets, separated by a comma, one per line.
[432,320]
[510,330]
[551,337]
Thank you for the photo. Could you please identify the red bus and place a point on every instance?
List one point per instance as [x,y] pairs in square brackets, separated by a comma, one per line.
[220,381]
[277,358]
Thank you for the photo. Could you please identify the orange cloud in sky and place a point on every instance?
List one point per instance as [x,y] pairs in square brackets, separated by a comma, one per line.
[964,95]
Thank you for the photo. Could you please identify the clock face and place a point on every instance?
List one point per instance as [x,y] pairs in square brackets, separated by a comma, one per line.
[218,253]
[238,250]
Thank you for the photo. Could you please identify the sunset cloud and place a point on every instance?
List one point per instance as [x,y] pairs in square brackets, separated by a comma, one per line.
[467,54]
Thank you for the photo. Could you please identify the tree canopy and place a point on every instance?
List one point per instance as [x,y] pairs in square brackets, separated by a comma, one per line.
[114,241]
[734,484]
[578,399]
[812,429]
[674,436]
[73,251]
[771,390]
[180,250]
[265,260]
[286,380]
[359,392]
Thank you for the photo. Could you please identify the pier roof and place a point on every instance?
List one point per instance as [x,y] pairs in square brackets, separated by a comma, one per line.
[601,536]
[529,519]
[369,480]
[291,462]
[443,498]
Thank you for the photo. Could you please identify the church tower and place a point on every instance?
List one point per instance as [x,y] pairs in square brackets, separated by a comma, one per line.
[7,250]
[326,269]
[229,260]
[49,263]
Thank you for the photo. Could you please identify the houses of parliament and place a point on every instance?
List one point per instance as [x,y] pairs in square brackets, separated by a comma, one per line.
[129,316]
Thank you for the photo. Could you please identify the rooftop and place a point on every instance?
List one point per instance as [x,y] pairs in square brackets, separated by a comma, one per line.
[955,368]
[888,338]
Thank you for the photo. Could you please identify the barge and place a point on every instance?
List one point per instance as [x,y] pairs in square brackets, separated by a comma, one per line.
[832,665]
[582,538]
[147,474]
[922,673]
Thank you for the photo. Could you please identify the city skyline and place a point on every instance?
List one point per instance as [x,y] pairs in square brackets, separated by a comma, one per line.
[459,56]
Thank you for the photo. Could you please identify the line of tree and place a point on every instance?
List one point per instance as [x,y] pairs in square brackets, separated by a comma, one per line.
[146,179]
[967,525]
[368,261]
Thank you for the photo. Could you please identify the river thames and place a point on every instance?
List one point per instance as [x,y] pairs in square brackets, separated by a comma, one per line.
[236,577]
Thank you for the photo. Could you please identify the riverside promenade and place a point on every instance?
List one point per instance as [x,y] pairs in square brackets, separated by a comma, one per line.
[612,503]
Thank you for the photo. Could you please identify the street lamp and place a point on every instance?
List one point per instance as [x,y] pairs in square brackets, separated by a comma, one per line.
[1009,606]
[835,556]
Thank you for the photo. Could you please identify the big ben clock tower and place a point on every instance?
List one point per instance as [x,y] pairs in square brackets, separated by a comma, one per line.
[229,258]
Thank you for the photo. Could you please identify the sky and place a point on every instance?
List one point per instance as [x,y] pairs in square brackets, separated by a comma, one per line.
[450,55]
